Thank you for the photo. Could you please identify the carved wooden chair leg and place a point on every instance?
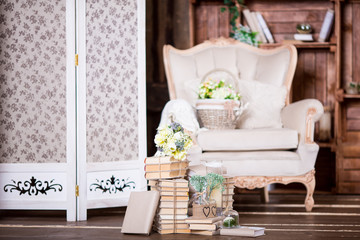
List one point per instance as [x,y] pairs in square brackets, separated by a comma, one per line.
[310,187]
[264,195]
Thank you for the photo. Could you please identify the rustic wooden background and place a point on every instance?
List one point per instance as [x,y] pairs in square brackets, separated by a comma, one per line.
[173,22]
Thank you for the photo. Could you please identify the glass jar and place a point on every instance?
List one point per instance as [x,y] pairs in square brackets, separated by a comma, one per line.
[231,219]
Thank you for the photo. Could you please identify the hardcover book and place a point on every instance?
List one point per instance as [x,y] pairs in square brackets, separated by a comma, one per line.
[165,174]
[177,211]
[169,231]
[265,28]
[206,233]
[191,220]
[170,204]
[160,160]
[174,183]
[258,27]
[243,231]
[174,198]
[172,226]
[174,193]
[166,166]
[326,26]
[140,212]
[200,226]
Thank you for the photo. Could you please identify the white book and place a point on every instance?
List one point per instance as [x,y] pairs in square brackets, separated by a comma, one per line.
[265,28]
[243,231]
[170,216]
[326,26]
[258,27]
[303,37]
[249,20]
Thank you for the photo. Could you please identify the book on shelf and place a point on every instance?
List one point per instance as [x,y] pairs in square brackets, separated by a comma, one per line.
[303,37]
[177,211]
[170,204]
[249,20]
[210,226]
[191,220]
[326,26]
[291,41]
[206,233]
[258,28]
[264,27]
[243,231]
[166,166]
[165,174]
[174,198]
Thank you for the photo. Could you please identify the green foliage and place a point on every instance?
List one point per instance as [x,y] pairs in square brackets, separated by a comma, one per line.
[213,181]
[209,183]
[198,182]
[244,34]
[234,11]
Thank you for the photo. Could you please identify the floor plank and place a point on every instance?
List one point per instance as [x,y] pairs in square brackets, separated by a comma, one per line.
[333,217]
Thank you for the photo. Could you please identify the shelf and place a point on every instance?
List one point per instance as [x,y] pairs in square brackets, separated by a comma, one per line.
[302,45]
[351,95]
[330,144]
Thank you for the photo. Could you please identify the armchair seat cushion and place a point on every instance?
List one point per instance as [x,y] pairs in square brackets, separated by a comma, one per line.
[259,163]
[248,139]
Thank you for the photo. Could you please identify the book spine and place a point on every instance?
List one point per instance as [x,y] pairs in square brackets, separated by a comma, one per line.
[326,26]
[249,20]
[265,28]
[259,29]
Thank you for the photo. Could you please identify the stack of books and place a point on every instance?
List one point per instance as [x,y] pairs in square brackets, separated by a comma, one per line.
[204,226]
[228,193]
[173,207]
[164,168]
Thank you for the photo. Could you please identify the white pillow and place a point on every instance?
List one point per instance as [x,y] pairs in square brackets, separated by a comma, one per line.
[265,104]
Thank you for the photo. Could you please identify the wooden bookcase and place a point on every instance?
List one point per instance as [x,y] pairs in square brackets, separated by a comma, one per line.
[322,72]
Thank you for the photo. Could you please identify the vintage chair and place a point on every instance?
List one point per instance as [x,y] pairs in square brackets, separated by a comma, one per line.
[255,156]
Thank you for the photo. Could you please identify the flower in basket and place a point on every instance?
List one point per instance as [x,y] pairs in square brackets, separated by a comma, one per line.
[172,140]
[217,89]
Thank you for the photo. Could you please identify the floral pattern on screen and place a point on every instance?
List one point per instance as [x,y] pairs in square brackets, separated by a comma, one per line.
[112,111]
[32,81]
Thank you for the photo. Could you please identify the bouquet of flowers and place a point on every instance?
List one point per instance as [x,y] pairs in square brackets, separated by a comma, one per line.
[172,140]
[216,89]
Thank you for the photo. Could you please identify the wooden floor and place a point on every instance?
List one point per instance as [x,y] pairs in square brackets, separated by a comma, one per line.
[333,217]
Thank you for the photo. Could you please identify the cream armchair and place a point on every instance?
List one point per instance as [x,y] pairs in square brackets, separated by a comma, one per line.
[255,157]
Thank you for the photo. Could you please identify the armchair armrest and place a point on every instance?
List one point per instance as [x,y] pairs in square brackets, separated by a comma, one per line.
[301,116]
[179,110]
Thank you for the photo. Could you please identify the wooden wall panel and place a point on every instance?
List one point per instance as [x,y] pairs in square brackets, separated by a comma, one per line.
[210,22]
[356,41]
[351,163]
[347,45]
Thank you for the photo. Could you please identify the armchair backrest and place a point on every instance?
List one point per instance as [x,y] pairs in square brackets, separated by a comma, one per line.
[186,68]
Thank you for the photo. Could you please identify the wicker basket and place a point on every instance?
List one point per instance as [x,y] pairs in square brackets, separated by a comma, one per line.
[218,114]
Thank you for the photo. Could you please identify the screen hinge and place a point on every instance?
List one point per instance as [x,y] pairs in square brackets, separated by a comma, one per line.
[77,190]
[76,59]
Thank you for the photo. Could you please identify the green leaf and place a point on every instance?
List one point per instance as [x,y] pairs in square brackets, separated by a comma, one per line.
[222,9]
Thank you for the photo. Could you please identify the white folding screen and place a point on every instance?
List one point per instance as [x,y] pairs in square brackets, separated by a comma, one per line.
[33,105]
[111,102]
[63,126]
